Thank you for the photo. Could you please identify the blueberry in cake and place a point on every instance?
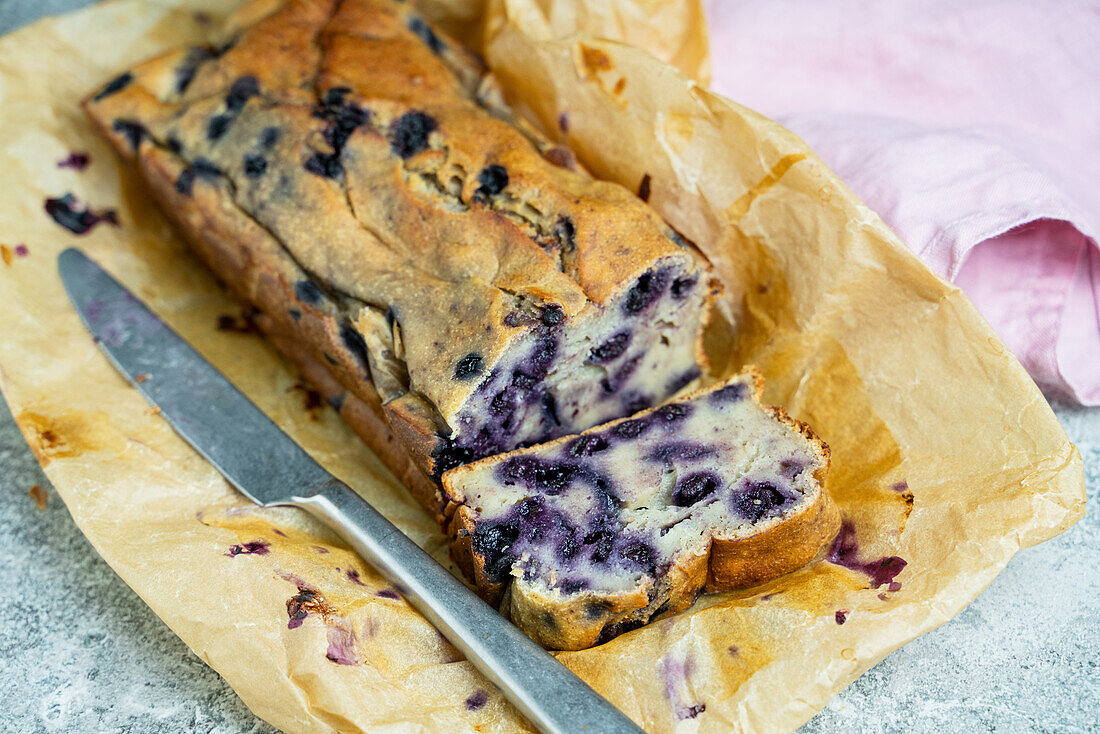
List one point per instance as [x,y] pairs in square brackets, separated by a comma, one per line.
[352,174]
[588,536]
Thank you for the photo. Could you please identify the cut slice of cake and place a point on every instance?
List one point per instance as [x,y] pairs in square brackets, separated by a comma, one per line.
[589,536]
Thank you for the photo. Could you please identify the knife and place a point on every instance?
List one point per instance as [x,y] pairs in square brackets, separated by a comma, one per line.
[266,466]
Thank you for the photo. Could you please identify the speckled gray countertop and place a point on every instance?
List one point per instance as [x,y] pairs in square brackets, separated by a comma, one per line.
[82,653]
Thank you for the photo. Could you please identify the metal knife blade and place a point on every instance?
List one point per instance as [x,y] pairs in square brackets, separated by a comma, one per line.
[205,408]
[269,468]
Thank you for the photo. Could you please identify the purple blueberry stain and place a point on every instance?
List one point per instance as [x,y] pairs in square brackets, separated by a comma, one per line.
[613,630]
[298,606]
[729,394]
[355,343]
[447,456]
[611,349]
[469,366]
[791,468]
[492,180]
[21,250]
[565,232]
[841,616]
[269,137]
[694,488]
[587,445]
[552,315]
[573,585]
[637,554]
[677,451]
[409,133]
[117,84]
[493,542]
[199,170]
[631,429]
[319,548]
[672,413]
[550,408]
[425,33]
[690,712]
[676,672]
[352,574]
[254,165]
[635,402]
[341,646]
[342,119]
[646,290]
[217,126]
[900,487]
[278,532]
[881,571]
[66,211]
[325,165]
[252,548]
[601,543]
[307,292]
[682,287]
[187,68]
[243,89]
[516,318]
[563,122]
[477,700]
[535,473]
[613,382]
[388,594]
[682,380]
[755,500]
[76,160]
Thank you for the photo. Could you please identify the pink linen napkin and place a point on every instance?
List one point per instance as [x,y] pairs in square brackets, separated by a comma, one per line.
[972,128]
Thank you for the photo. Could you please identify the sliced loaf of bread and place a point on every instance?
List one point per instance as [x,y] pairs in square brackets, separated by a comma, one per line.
[591,535]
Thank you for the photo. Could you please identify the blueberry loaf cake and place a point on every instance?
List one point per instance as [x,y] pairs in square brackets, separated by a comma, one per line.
[459,289]
[354,176]
[588,536]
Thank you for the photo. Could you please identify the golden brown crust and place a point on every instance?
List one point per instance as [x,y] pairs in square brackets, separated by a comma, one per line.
[787,547]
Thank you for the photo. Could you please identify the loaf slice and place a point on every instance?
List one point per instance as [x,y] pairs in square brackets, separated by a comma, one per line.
[589,536]
[352,174]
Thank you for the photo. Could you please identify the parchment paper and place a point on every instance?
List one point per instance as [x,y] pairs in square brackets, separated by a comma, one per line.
[945,455]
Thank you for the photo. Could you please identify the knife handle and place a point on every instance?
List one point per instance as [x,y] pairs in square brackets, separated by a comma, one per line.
[545,691]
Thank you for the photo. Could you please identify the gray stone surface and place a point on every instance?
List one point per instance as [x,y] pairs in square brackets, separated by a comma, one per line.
[82,654]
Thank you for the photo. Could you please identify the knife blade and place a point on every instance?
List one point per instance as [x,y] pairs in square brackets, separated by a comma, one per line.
[265,465]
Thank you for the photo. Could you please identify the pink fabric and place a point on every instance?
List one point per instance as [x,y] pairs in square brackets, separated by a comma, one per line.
[971,126]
